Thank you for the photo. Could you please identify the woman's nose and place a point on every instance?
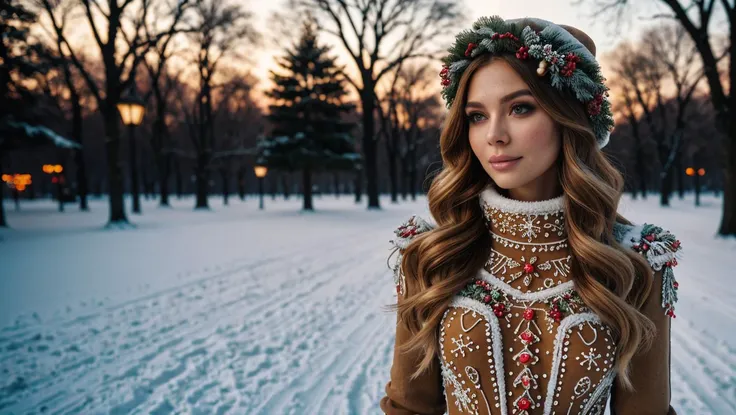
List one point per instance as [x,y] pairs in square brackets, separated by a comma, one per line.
[496,133]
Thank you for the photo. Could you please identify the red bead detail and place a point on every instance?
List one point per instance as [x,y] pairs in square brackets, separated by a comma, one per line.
[525,381]
[676,244]
[523,404]
[487,299]
[649,238]
[525,358]
[528,268]
[526,337]
[528,314]
[446,81]
[676,285]
[644,247]
[445,70]
[470,48]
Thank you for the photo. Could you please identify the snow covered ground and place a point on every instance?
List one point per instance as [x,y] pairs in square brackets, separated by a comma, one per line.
[242,311]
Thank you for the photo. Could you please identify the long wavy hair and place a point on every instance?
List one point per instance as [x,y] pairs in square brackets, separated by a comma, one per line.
[612,279]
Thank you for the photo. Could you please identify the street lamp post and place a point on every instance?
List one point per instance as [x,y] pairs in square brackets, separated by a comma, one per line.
[131,110]
[261,172]
[57,178]
[696,173]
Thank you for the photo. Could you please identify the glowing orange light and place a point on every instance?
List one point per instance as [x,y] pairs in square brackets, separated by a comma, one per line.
[58,168]
[690,171]
[701,172]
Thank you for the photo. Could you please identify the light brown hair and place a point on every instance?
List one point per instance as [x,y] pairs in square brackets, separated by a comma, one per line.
[612,279]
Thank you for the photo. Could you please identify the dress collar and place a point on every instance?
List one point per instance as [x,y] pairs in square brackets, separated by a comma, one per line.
[521,221]
[490,197]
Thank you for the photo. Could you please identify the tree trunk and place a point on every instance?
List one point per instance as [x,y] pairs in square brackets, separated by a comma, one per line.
[178,181]
[679,176]
[307,188]
[358,185]
[164,162]
[114,173]
[82,188]
[393,177]
[225,185]
[369,144]
[3,222]
[728,221]
[241,183]
[134,185]
[202,179]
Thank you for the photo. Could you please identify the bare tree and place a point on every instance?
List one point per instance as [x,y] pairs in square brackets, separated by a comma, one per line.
[379,35]
[124,23]
[220,28]
[696,17]
[161,84]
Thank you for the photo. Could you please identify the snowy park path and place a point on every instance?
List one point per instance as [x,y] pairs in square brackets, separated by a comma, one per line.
[242,311]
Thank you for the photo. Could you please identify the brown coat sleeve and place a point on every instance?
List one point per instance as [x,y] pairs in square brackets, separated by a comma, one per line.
[423,395]
[650,371]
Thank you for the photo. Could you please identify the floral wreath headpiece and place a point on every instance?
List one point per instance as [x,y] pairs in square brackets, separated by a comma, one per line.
[569,64]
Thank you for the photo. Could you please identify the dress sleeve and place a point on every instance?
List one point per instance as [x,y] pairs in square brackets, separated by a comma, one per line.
[404,396]
[649,371]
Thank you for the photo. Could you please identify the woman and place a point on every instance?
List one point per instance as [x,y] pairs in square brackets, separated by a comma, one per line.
[529,294]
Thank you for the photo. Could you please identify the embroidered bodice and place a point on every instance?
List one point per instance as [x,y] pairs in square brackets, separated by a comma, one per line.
[518,339]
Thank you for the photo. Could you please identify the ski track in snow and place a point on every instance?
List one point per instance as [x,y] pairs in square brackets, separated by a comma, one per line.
[298,328]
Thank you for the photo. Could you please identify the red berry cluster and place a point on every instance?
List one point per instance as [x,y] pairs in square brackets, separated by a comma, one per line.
[594,106]
[407,230]
[499,309]
[571,61]
[522,53]
[507,35]
[445,75]
[470,48]
[554,313]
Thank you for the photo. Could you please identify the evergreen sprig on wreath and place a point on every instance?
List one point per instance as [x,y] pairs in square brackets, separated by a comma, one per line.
[568,63]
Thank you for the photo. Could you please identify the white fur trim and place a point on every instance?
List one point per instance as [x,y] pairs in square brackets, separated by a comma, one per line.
[565,324]
[602,142]
[490,197]
[496,344]
[521,295]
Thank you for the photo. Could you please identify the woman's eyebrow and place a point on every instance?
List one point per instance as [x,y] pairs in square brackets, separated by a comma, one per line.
[515,94]
[506,98]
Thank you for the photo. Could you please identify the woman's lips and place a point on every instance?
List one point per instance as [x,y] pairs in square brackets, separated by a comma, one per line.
[504,165]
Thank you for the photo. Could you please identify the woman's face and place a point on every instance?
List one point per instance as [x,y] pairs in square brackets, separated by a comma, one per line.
[505,121]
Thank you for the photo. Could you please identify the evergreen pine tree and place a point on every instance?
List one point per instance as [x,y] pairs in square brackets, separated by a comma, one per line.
[310,130]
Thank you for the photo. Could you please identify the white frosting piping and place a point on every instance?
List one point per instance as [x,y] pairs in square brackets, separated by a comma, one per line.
[496,344]
[521,295]
[566,323]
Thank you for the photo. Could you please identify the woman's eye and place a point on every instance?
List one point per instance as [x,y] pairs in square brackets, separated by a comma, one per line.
[475,117]
[520,109]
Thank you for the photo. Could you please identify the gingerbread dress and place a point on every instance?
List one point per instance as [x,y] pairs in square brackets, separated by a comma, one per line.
[519,340]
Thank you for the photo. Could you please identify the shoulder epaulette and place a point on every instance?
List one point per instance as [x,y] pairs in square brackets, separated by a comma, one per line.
[662,249]
[408,230]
